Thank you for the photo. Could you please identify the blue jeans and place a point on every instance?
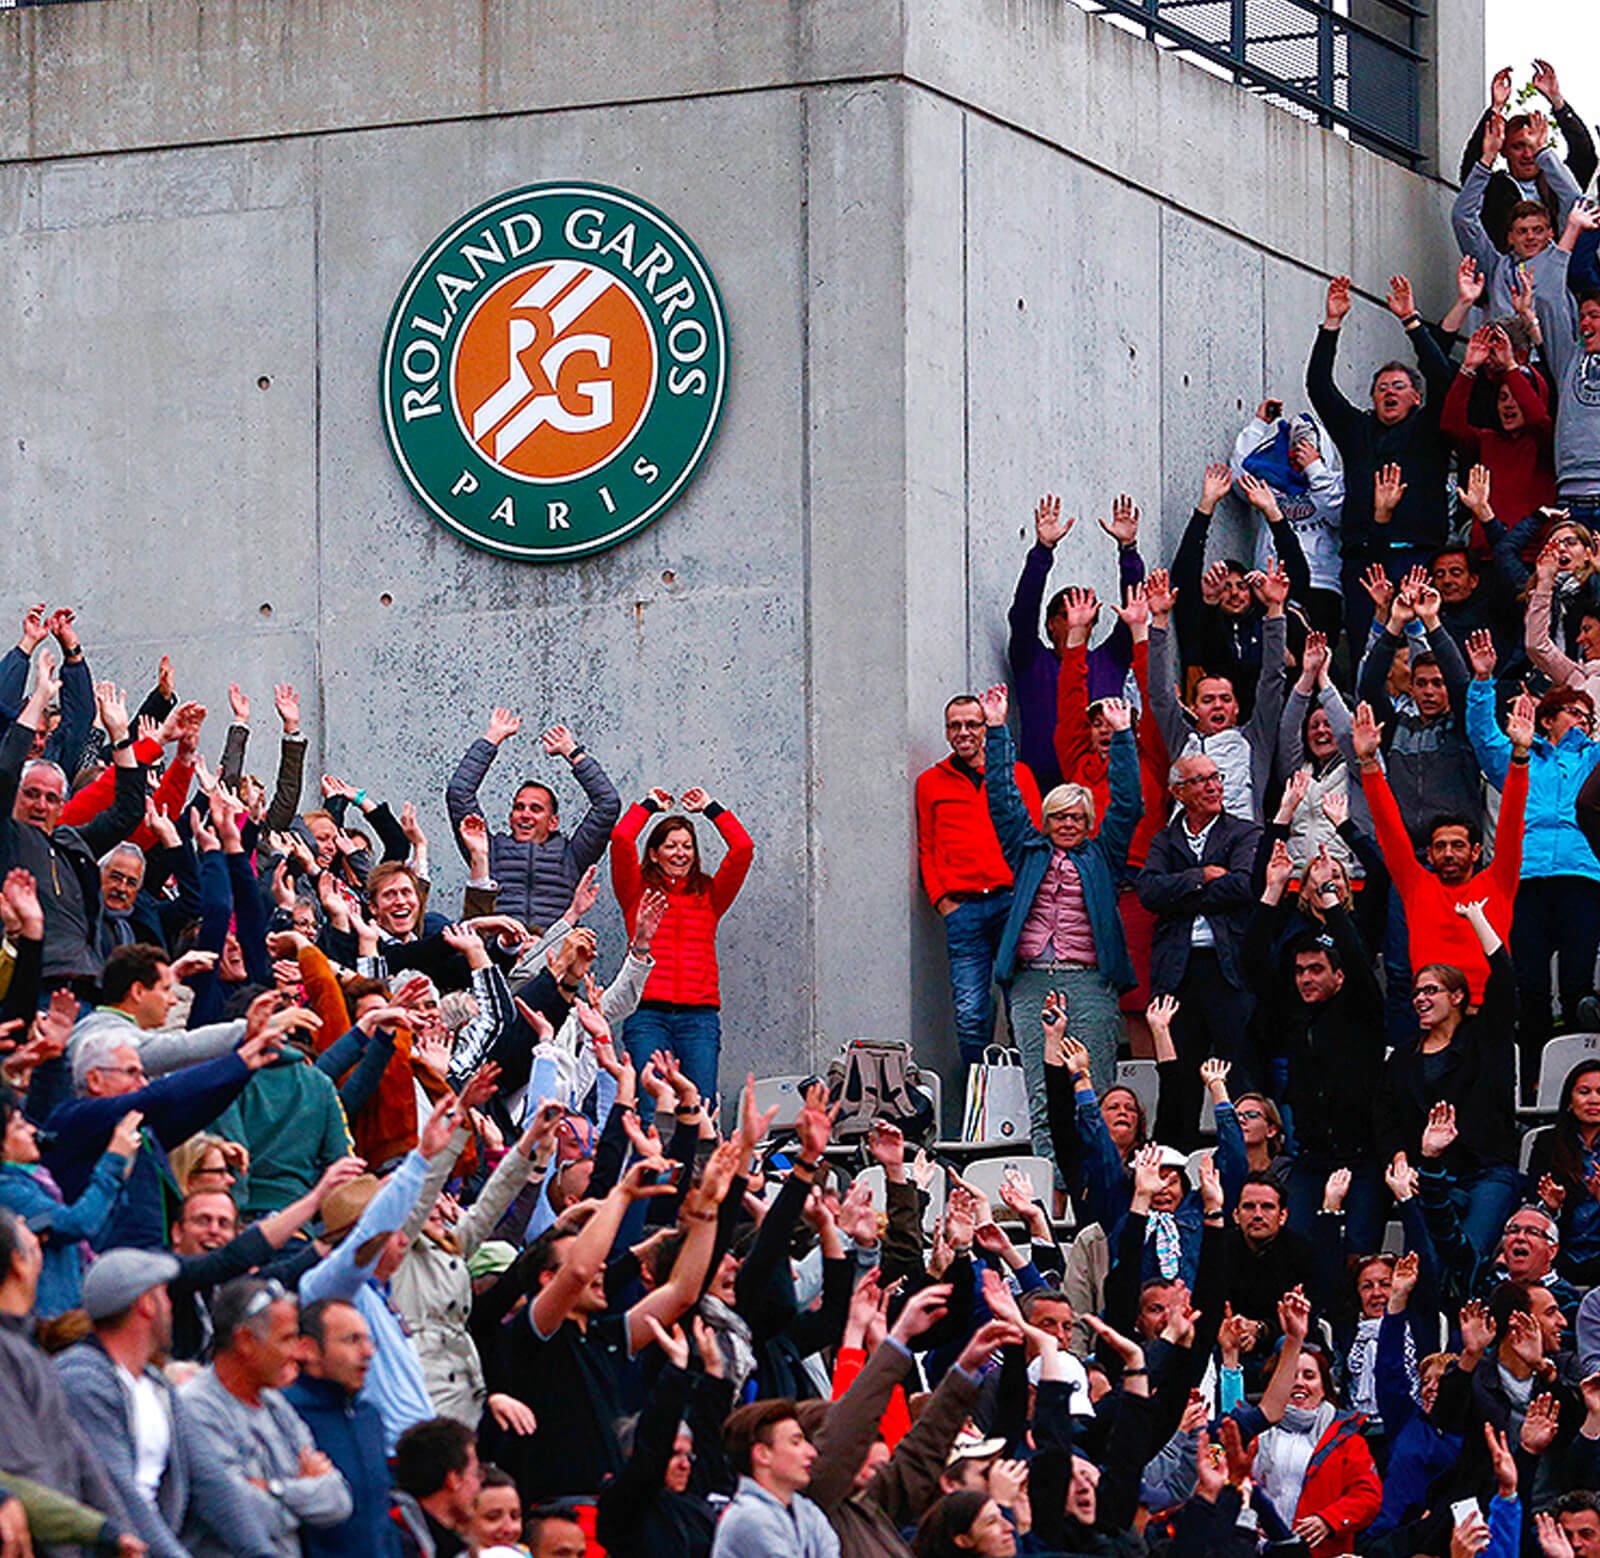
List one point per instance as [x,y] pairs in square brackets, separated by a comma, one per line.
[972,932]
[1484,1201]
[1093,1018]
[692,1033]
[1363,1207]
[1400,1017]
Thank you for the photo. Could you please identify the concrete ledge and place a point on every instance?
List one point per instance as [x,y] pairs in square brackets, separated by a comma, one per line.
[125,74]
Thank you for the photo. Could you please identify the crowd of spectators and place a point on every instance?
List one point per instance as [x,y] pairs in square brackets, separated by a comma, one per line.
[332,1222]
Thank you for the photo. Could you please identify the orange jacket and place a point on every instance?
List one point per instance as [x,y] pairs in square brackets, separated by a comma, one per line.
[956,844]
[685,947]
[1081,764]
[1435,932]
[97,795]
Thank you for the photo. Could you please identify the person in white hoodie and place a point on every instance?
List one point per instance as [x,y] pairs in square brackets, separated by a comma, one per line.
[1295,457]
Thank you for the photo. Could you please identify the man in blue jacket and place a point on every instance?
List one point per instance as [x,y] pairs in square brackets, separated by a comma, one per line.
[535,864]
[337,1351]
[110,1080]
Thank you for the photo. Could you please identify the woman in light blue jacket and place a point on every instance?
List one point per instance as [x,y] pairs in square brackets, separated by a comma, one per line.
[27,1188]
[1558,902]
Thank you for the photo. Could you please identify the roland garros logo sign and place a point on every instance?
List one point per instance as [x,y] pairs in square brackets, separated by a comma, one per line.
[553,371]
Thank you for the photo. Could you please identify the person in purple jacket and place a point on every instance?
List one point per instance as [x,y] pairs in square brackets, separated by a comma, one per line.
[1036,662]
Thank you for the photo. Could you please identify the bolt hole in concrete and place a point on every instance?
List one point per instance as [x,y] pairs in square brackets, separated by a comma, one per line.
[263,382]
[669,577]
[1021,304]
[386,599]
[266,608]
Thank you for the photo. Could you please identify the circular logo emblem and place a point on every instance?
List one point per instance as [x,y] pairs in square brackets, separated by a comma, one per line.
[553,370]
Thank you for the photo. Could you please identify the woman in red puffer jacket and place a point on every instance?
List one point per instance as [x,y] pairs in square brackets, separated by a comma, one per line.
[681,1009]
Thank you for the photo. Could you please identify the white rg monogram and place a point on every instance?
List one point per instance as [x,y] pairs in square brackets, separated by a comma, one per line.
[514,409]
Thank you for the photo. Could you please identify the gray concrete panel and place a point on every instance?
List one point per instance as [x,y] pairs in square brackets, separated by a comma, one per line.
[857,561]
[1064,346]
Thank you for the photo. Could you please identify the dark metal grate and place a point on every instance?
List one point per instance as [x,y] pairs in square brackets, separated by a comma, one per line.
[1347,64]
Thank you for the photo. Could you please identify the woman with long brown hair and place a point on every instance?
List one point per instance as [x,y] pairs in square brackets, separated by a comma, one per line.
[681,1010]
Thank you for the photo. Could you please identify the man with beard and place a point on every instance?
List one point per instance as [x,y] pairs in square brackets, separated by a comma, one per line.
[135,1419]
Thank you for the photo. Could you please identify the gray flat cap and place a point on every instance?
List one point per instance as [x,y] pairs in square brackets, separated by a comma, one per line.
[121,1276]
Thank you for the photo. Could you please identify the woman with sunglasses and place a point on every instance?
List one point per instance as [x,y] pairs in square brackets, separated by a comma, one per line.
[1461,1058]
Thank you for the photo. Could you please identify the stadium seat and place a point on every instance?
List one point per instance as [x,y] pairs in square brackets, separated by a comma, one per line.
[1528,1139]
[988,1174]
[1559,1057]
[872,1176]
[1140,1077]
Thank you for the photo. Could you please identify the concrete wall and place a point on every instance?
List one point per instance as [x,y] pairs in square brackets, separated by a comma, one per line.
[970,250]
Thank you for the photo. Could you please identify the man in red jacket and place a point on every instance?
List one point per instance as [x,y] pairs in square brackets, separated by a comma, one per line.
[966,877]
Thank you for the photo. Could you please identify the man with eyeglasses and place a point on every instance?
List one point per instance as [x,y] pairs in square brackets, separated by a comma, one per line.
[65,861]
[965,874]
[251,1431]
[1525,1253]
[110,1080]
[1196,880]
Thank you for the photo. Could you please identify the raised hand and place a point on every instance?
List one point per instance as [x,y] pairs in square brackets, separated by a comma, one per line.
[1294,1315]
[1335,1190]
[1476,496]
[1279,870]
[1440,1131]
[814,1124]
[1380,587]
[1124,526]
[1400,1177]
[1117,712]
[1160,596]
[1134,613]
[1048,525]
[287,702]
[34,632]
[1215,485]
[996,704]
[1520,721]
[1365,733]
[1494,137]
[1480,654]
[1213,582]
[1402,304]
[1294,792]
[1544,1411]
[112,704]
[1387,491]
[1470,282]
[1338,302]
[1406,1271]
[558,741]
[1261,497]
[1271,587]
[503,724]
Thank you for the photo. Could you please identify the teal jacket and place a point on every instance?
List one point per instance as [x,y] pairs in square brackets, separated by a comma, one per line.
[1552,843]
[292,1121]
[1100,860]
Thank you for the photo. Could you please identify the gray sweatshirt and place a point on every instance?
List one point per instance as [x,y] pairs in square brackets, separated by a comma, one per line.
[264,1443]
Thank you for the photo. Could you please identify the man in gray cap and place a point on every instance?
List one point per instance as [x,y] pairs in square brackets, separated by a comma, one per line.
[137,1422]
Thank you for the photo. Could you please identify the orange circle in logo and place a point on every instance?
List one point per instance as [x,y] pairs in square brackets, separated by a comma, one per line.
[554,370]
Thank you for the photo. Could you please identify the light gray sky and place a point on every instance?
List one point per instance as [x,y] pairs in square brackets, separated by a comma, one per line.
[1565,32]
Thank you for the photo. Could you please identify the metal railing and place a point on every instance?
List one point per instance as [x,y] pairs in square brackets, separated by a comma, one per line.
[1352,65]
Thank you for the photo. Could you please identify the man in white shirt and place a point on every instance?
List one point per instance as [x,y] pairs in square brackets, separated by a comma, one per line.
[136,1421]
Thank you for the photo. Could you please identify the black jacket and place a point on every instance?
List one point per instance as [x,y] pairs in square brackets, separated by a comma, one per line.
[1335,1048]
[1172,886]
[1479,1079]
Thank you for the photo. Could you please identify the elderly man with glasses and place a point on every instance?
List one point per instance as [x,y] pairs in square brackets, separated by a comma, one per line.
[110,1080]
[1196,880]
